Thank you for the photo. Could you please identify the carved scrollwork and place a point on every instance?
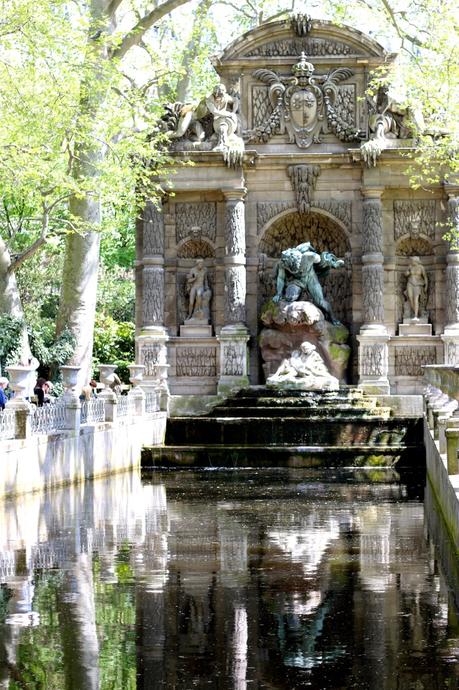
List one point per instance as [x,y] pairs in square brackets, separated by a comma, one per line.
[199,214]
[266,210]
[414,218]
[235,292]
[410,360]
[234,228]
[152,355]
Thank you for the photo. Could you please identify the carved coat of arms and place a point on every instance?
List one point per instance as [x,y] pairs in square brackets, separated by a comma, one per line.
[303,106]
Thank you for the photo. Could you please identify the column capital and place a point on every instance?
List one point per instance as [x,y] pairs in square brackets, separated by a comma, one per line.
[234,193]
[372,192]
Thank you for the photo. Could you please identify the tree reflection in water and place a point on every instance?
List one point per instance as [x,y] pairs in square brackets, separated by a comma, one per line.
[273,579]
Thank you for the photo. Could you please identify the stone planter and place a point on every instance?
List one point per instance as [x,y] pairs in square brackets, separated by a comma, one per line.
[69,380]
[19,377]
[106,372]
[136,374]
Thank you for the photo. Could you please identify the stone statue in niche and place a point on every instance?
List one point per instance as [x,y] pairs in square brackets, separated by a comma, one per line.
[387,120]
[304,369]
[299,270]
[417,285]
[199,294]
[213,121]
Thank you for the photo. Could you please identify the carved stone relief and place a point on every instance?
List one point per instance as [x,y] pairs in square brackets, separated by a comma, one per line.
[153,230]
[345,104]
[304,106]
[452,292]
[313,47]
[261,105]
[266,210]
[234,228]
[196,361]
[301,24]
[233,359]
[372,233]
[414,218]
[235,292]
[452,353]
[153,295]
[304,180]
[409,360]
[453,212]
[291,230]
[150,356]
[195,249]
[373,360]
[196,214]
[372,294]
[414,246]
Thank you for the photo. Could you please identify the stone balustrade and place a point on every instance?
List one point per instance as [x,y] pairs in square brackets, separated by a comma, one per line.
[442,410]
[22,420]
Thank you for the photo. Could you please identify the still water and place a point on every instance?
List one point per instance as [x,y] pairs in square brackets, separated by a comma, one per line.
[229,580]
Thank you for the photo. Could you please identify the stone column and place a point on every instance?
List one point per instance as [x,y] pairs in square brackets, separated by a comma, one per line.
[234,336]
[373,338]
[152,338]
[450,335]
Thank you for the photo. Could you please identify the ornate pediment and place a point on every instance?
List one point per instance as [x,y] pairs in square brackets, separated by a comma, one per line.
[303,106]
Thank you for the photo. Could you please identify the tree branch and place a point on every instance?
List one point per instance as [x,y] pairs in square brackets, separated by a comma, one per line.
[134,36]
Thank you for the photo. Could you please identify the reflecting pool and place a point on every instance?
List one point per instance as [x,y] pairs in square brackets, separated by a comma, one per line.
[225,579]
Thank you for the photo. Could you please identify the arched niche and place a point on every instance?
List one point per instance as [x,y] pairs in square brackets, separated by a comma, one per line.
[407,247]
[188,251]
[325,234]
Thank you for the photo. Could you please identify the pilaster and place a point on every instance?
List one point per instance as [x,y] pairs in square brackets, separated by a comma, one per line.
[373,337]
[450,335]
[233,337]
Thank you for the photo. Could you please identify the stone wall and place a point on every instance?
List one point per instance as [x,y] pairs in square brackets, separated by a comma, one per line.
[49,460]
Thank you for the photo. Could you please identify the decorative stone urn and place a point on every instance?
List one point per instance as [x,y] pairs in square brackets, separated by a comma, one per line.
[136,374]
[19,377]
[106,372]
[70,381]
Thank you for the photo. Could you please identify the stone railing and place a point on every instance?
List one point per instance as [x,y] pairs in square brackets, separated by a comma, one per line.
[51,417]
[7,424]
[92,411]
[21,419]
[442,410]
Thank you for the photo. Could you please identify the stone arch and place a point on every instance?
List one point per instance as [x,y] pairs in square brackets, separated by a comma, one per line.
[195,249]
[406,247]
[325,233]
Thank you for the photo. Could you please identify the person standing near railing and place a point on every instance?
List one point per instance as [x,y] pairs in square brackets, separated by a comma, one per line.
[3,385]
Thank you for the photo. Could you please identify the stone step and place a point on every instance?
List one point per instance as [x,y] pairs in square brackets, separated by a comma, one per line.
[302,411]
[330,431]
[258,456]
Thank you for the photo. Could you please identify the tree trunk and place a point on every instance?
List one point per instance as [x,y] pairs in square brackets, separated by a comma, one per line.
[77,308]
[10,300]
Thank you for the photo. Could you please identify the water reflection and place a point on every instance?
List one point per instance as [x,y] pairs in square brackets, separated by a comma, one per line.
[232,580]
